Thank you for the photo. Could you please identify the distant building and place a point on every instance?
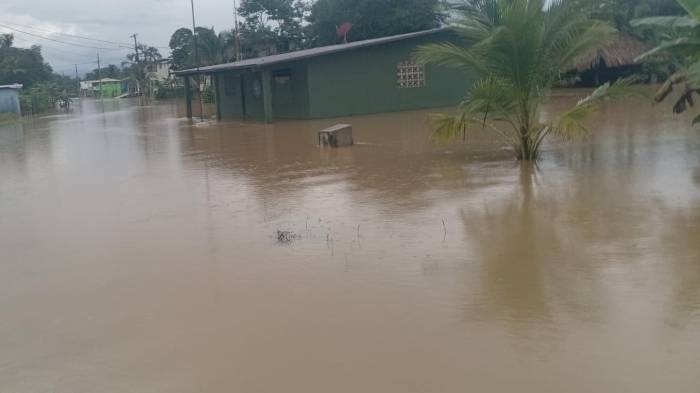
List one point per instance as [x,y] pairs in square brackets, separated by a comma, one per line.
[9,99]
[160,71]
[371,76]
[105,87]
[613,61]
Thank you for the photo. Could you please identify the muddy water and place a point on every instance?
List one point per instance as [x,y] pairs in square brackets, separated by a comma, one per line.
[140,254]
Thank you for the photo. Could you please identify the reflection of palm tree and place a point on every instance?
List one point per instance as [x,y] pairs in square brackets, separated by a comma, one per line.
[681,243]
[531,270]
[513,244]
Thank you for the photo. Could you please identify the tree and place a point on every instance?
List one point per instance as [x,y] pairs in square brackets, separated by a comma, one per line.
[682,41]
[181,48]
[372,18]
[211,48]
[110,71]
[517,49]
[20,65]
[147,54]
[26,66]
[620,13]
[6,40]
[272,26]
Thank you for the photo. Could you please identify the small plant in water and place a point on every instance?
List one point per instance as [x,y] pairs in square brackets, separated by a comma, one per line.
[286,237]
[517,51]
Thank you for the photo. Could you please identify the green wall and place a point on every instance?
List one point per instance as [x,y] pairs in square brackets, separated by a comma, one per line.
[365,81]
[110,89]
[290,96]
[246,86]
[358,81]
[252,89]
[230,101]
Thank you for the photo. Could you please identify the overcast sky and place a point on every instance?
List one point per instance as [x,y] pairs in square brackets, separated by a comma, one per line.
[153,20]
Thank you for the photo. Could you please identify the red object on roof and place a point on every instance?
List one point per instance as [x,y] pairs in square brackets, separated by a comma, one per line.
[343,31]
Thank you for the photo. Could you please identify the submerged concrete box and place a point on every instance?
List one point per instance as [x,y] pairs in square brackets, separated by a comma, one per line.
[338,135]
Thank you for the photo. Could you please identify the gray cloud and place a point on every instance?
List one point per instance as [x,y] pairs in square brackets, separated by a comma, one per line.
[153,20]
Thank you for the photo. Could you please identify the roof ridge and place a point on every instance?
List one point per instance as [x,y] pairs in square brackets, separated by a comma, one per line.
[306,53]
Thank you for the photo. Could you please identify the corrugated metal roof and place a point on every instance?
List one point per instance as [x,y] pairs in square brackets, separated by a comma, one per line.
[103,80]
[13,86]
[305,54]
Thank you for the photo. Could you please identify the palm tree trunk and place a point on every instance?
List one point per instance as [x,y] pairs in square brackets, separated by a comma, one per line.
[528,150]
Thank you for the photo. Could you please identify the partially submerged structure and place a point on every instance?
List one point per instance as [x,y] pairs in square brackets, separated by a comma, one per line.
[105,87]
[371,76]
[160,70]
[9,99]
[613,61]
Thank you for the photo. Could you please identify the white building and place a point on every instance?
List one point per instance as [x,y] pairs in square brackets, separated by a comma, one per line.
[160,70]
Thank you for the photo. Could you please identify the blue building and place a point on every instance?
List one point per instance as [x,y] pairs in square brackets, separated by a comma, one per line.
[9,99]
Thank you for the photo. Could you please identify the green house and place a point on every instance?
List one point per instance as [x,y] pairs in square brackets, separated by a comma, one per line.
[107,87]
[363,77]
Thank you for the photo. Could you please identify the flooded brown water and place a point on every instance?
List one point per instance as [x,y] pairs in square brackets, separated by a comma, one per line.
[140,254]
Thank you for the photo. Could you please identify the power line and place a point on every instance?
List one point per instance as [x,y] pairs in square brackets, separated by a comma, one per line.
[65,34]
[51,48]
[55,40]
[123,45]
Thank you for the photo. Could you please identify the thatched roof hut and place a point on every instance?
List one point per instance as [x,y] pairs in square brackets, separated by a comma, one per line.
[621,51]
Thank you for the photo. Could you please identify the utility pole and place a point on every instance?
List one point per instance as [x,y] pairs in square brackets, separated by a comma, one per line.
[196,60]
[138,66]
[77,79]
[99,78]
[136,47]
[238,36]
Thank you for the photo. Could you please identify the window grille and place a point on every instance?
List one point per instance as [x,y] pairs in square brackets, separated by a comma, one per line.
[410,75]
[282,77]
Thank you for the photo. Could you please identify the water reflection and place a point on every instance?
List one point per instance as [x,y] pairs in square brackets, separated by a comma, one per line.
[135,239]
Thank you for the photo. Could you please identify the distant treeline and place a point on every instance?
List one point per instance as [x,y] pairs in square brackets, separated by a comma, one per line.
[277,26]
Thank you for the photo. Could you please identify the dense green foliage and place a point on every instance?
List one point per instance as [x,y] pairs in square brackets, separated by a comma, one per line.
[27,67]
[681,43]
[272,26]
[181,48]
[110,71]
[517,49]
[19,65]
[211,48]
[372,18]
[620,13]
[276,26]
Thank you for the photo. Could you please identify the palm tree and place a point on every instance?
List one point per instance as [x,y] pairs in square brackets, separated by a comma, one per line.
[517,50]
[682,41]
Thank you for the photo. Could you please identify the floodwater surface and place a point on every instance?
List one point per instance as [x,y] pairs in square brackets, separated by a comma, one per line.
[143,253]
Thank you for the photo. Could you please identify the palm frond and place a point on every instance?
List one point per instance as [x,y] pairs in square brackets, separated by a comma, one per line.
[489,102]
[582,41]
[666,22]
[570,124]
[450,55]
[491,99]
[693,73]
[477,19]
[692,7]
[449,127]
[681,46]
